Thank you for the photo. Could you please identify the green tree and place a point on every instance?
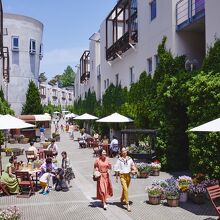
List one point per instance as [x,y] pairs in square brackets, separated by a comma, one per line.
[33,101]
[67,78]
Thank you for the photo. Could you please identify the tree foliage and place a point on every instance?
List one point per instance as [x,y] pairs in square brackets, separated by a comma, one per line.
[33,101]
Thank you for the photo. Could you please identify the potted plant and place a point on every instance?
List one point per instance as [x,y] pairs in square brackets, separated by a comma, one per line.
[8,151]
[197,193]
[183,183]
[163,184]
[10,213]
[155,168]
[172,192]
[154,194]
[144,170]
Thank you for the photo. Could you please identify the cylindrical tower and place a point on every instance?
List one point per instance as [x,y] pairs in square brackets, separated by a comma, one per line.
[24,40]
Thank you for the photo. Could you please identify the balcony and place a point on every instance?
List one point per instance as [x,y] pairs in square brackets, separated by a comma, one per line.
[6,67]
[43,96]
[54,97]
[121,29]
[85,66]
[63,98]
[190,15]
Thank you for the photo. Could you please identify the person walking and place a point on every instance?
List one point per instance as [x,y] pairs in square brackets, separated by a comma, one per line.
[104,185]
[123,167]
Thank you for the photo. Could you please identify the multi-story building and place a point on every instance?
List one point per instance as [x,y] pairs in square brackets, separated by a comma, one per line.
[23,37]
[133,29]
[55,95]
[4,57]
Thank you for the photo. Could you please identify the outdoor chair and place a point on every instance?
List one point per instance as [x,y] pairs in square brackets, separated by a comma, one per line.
[30,155]
[214,194]
[3,188]
[25,183]
[48,153]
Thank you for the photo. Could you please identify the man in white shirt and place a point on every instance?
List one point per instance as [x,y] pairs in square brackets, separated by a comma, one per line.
[123,167]
[114,147]
[34,149]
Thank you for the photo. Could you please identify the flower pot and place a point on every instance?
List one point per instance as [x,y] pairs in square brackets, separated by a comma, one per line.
[144,174]
[183,197]
[154,200]
[198,198]
[155,172]
[173,202]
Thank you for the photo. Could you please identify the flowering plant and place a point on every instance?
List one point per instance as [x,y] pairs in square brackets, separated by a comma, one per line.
[10,213]
[154,190]
[171,190]
[155,165]
[209,182]
[184,183]
[197,188]
[143,167]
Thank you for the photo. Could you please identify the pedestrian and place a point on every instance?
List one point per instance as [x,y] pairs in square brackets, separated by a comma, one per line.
[123,168]
[68,171]
[104,185]
[62,128]
[42,133]
[114,147]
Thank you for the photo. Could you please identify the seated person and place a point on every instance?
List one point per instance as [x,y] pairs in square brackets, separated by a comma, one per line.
[32,148]
[82,140]
[48,164]
[96,136]
[105,140]
[60,181]
[8,178]
[114,147]
[53,147]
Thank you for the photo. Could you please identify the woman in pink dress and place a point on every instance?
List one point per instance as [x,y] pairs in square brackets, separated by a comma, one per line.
[104,185]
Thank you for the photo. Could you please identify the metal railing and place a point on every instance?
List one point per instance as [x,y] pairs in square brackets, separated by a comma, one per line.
[188,11]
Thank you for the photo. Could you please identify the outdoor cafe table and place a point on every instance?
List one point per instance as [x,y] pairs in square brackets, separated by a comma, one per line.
[34,173]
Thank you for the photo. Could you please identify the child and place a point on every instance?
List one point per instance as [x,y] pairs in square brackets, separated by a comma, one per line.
[44,181]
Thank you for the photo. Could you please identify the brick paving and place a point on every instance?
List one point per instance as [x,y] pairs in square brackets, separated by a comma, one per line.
[80,203]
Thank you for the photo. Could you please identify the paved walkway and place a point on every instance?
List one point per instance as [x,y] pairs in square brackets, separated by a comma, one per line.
[80,203]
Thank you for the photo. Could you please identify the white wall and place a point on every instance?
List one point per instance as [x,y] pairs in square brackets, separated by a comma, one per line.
[212,21]
[23,66]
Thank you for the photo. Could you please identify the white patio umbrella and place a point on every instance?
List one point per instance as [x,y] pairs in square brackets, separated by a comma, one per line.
[71,115]
[212,126]
[10,122]
[86,116]
[115,118]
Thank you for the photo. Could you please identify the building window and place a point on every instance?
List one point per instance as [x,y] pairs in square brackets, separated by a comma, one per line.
[131,74]
[116,79]
[32,46]
[149,63]
[156,60]
[15,43]
[107,82]
[105,85]
[153,9]
[41,54]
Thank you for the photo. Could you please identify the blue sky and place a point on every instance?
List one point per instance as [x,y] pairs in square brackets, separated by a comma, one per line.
[68,24]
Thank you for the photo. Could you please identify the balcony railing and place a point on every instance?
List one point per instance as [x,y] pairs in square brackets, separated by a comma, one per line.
[121,28]
[85,66]
[189,11]
[6,68]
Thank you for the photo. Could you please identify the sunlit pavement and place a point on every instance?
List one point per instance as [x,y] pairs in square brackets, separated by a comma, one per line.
[80,202]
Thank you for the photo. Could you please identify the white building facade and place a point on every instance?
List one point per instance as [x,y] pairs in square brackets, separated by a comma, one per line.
[131,33]
[55,95]
[24,41]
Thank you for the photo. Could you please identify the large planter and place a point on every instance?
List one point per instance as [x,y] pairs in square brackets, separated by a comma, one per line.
[155,172]
[183,197]
[173,202]
[198,198]
[154,200]
[143,174]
